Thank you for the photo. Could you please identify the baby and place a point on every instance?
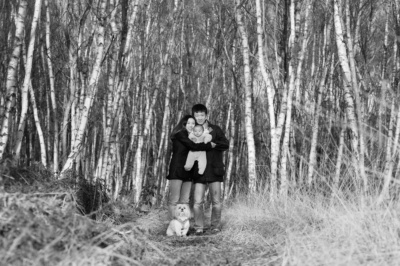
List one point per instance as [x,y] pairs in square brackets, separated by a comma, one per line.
[198,135]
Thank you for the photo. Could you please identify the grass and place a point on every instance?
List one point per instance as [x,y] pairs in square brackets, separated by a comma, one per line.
[313,231]
[45,228]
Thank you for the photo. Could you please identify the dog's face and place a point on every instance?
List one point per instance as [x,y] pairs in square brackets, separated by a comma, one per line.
[182,211]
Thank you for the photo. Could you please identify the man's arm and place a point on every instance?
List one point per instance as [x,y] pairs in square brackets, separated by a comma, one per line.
[183,138]
[222,143]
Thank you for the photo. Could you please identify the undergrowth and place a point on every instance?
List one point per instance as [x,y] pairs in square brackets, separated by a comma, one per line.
[47,223]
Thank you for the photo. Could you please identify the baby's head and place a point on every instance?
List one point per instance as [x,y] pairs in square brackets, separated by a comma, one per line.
[198,130]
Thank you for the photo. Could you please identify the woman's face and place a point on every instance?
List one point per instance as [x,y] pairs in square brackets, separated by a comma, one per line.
[190,124]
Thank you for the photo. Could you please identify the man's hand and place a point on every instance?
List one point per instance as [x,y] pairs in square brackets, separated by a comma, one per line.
[213,144]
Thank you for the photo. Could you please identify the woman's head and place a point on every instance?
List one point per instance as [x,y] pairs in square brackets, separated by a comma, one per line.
[186,123]
[190,123]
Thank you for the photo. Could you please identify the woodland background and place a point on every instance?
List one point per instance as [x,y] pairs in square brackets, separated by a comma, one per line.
[301,88]
[307,92]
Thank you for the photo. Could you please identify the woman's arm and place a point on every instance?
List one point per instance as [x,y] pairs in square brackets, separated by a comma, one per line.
[184,139]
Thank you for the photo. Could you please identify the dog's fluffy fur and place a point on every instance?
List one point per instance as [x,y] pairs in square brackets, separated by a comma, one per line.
[180,224]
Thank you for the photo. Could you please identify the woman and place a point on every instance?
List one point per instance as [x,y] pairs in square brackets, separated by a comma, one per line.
[180,181]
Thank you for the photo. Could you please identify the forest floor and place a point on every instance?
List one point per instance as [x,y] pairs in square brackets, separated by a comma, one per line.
[208,249]
[41,223]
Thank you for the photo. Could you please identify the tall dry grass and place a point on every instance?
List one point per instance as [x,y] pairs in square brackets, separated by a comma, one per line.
[306,228]
[315,230]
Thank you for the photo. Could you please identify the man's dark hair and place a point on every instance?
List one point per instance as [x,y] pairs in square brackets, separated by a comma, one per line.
[199,108]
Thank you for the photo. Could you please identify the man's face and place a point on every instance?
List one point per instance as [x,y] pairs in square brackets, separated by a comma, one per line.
[200,117]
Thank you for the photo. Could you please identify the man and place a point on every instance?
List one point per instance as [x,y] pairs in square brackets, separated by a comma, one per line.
[213,175]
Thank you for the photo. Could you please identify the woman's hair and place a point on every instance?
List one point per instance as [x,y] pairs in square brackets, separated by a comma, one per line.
[181,125]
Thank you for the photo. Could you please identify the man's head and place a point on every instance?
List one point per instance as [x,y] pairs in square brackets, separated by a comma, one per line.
[199,111]
[198,130]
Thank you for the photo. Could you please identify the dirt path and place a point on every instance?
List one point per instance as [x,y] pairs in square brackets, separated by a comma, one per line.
[208,249]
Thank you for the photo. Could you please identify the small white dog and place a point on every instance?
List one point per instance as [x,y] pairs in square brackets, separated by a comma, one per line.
[180,224]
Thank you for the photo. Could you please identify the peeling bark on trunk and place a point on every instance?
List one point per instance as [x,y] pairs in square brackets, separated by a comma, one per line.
[270,101]
[52,90]
[350,49]
[294,82]
[251,156]
[11,83]
[91,92]
[350,106]
[27,80]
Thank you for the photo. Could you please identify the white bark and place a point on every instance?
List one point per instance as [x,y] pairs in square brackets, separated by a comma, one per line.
[43,153]
[382,94]
[315,128]
[270,98]
[165,61]
[357,98]
[251,156]
[320,90]
[165,122]
[228,183]
[138,158]
[344,63]
[294,82]
[27,79]
[91,93]
[111,104]
[339,157]
[52,90]
[392,144]
[11,82]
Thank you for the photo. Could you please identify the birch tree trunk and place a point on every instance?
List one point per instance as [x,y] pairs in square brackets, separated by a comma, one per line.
[350,109]
[270,101]
[11,83]
[52,90]
[294,82]
[27,80]
[133,136]
[164,61]
[314,138]
[251,156]
[228,182]
[320,90]
[111,106]
[382,94]
[43,153]
[139,173]
[350,49]
[164,127]
[338,164]
[392,144]
[390,155]
[91,92]
[118,79]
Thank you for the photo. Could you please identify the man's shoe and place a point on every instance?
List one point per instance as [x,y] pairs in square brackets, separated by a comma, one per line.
[199,232]
[215,230]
